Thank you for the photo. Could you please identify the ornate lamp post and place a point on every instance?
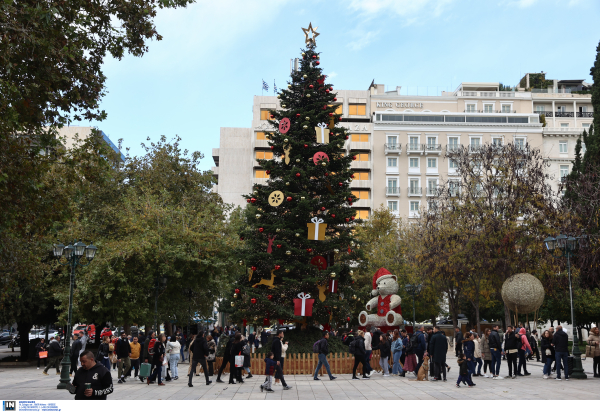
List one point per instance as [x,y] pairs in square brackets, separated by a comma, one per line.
[568,247]
[73,255]
[414,290]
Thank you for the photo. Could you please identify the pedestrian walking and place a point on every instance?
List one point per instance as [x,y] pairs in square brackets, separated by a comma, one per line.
[469,351]
[93,374]
[235,375]
[157,360]
[368,352]
[560,341]
[438,348]
[55,354]
[212,354]
[74,354]
[270,367]
[41,347]
[496,352]
[357,348]
[323,350]
[511,349]
[277,349]
[123,351]
[420,346]
[174,351]
[264,336]
[134,357]
[104,352]
[199,357]
[397,348]
[251,339]
[548,353]
[181,341]
[594,350]
[246,351]
[464,373]
[428,335]
[384,354]
[477,354]
[458,338]
[226,358]
[524,350]
[486,355]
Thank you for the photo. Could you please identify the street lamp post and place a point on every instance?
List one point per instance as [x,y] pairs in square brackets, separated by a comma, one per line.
[160,282]
[414,290]
[559,248]
[73,255]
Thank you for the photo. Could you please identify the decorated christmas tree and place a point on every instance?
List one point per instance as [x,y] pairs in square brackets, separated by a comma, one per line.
[298,245]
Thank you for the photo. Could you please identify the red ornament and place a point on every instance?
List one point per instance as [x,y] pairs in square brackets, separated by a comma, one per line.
[326,91]
[346,137]
[319,262]
[340,184]
[333,216]
[284,125]
[349,199]
[325,107]
[317,62]
[289,198]
[352,176]
[237,291]
[350,203]
[330,114]
[314,56]
[253,268]
[248,200]
[297,114]
[298,174]
[268,172]
[277,267]
[260,229]
[310,86]
[348,318]
[321,80]
[270,297]
[350,251]
[347,220]
[340,118]
[272,147]
[278,246]
[322,208]
[272,116]
[241,237]
[253,300]
[253,200]
[305,146]
[309,250]
[335,99]
[353,157]
[352,218]
[326,174]
[331,88]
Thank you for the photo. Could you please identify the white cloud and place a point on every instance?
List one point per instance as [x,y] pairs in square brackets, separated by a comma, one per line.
[403,8]
[522,4]
[361,39]
[332,75]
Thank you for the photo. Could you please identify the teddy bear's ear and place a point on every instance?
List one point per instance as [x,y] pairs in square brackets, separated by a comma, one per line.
[395,278]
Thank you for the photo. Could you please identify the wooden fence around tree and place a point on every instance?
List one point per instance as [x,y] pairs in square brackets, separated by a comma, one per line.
[305,363]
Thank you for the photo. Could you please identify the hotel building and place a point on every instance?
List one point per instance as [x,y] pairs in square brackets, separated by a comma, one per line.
[400,141]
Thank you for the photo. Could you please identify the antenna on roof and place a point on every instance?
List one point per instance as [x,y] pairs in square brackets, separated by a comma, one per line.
[372,84]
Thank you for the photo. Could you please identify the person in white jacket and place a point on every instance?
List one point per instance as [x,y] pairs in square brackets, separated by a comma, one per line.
[368,352]
[477,354]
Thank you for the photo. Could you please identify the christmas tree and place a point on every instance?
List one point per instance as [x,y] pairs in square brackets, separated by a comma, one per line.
[299,235]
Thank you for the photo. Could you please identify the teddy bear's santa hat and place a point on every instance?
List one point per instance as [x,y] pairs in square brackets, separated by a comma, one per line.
[382,273]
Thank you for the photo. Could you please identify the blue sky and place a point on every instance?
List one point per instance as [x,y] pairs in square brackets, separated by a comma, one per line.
[214,55]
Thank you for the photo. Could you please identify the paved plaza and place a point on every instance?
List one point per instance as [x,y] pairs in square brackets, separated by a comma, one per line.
[29,384]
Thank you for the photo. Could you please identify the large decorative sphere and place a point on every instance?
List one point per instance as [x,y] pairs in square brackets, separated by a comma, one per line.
[523,293]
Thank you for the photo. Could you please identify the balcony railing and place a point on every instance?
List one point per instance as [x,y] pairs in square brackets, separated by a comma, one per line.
[564,114]
[473,148]
[431,191]
[433,147]
[487,94]
[392,148]
[415,191]
[450,148]
[489,111]
[564,130]
[547,114]
[392,191]
[585,114]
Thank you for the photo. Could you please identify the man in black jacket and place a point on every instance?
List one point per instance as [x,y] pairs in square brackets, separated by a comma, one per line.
[560,341]
[55,353]
[437,349]
[200,351]
[276,348]
[511,348]
[75,349]
[226,358]
[458,338]
[96,375]
[496,351]
[323,352]
[359,355]
[123,351]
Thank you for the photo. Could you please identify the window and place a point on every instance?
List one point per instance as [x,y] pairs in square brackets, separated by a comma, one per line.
[431,163]
[264,155]
[520,143]
[506,108]
[564,125]
[362,157]
[497,141]
[392,183]
[453,143]
[361,175]
[413,165]
[562,146]
[357,109]
[586,125]
[583,109]
[261,174]
[561,109]
[265,114]
[488,108]
[470,108]
[362,214]
[414,187]
[392,140]
[392,162]
[475,141]
[414,208]
[359,138]
[393,205]
[431,186]
[361,194]
[338,110]
[454,187]
[260,136]
[392,187]
[431,140]
[564,171]
[540,108]
[452,164]
[413,143]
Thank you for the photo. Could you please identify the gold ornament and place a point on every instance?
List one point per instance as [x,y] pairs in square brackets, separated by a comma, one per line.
[353,297]
[288,252]
[277,230]
[241,262]
[324,164]
[232,304]
[289,86]
[336,251]
[285,140]
[287,271]
[302,198]
[297,160]
[303,54]
[286,151]
[235,295]
[307,118]
[279,96]
[311,34]
[352,243]
[287,183]
[257,216]
[307,94]
[283,105]
[305,127]
[297,234]
[276,198]
[351,272]
[332,274]
[305,76]
[335,307]
[256,318]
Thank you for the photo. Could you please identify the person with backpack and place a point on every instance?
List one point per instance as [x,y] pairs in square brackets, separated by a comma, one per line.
[357,348]
[511,348]
[322,348]
[523,351]
[384,354]
[420,346]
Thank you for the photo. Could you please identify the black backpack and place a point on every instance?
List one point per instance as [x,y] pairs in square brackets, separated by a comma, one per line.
[414,341]
[352,347]
[519,341]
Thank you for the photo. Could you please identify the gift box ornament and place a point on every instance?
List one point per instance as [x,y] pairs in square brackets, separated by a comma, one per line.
[333,285]
[304,305]
[316,229]
[322,133]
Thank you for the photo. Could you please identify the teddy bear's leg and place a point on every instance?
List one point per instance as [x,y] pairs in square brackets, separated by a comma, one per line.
[362,318]
[393,319]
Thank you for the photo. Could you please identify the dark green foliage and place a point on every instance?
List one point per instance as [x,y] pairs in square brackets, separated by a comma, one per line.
[319,191]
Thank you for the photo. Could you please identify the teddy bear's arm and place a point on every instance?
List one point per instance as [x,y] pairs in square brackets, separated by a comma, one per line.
[395,301]
[371,304]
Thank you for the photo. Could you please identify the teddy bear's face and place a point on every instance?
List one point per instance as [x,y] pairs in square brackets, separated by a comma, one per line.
[387,286]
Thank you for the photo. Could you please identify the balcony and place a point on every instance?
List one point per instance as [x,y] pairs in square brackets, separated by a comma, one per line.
[362,203]
[262,144]
[412,148]
[474,148]
[357,164]
[360,145]
[489,111]
[564,130]
[585,114]
[547,114]
[215,171]
[432,191]
[433,148]
[486,94]
[415,191]
[453,148]
[564,114]
[392,191]
[259,181]
[392,148]
[360,184]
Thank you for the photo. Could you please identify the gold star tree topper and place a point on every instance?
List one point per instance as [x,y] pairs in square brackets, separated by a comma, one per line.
[311,34]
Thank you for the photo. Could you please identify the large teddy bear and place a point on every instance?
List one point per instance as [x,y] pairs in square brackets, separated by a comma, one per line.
[386,302]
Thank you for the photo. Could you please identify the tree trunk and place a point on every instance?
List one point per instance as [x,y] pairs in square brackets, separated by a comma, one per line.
[507,316]
[23,329]
[168,328]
